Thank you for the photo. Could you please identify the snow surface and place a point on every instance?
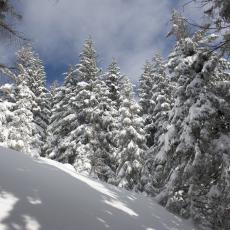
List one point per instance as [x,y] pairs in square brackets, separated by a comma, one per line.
[44,194]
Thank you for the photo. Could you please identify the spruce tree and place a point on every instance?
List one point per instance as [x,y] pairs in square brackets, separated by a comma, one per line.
[113,79]
[35,80]
[163,96]
[156,121]
[7,104]
[63,119]
[145,89]
[146,102]
[22,134]
[94,117]
[131,140]
[81,120]
[54,127]
[192,160]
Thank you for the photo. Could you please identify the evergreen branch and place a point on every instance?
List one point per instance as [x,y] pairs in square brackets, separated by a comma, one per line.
[205,27]
[12,32]
[221,45]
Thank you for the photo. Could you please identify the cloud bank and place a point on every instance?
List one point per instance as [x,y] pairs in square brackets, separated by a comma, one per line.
[129,30]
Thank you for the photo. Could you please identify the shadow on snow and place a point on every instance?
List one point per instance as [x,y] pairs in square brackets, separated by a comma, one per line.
[35,195]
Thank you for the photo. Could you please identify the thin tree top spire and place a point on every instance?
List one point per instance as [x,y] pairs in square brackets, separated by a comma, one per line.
[87,69]
[179,28]
[113,68]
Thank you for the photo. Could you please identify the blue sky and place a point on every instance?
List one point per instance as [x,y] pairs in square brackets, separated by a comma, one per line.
[129,30]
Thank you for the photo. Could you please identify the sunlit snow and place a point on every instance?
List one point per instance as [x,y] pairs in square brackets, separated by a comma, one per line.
[43,194]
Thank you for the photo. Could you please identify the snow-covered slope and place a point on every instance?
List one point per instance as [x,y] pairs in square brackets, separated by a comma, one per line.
[44,194]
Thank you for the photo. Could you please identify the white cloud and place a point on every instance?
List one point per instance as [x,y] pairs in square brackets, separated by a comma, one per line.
[129,30]
[124,29]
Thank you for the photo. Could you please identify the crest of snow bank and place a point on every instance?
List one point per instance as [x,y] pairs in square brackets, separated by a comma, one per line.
[119,205]
[71,171]
[113,197]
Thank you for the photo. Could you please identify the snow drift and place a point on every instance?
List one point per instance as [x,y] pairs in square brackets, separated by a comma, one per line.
[44,194]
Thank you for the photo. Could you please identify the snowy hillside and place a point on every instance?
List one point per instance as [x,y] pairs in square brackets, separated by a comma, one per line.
[44,194]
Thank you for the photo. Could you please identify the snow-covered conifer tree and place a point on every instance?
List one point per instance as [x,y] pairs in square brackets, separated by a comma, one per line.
[63,119]
[21,128]
[113,79]
[192,160]
[156,97]
[146,102]
[94,118]
[145,89]
[157,117]
[7,104]
[81,121]
[52,132]
[68,106]
[131,140]
[35,80]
